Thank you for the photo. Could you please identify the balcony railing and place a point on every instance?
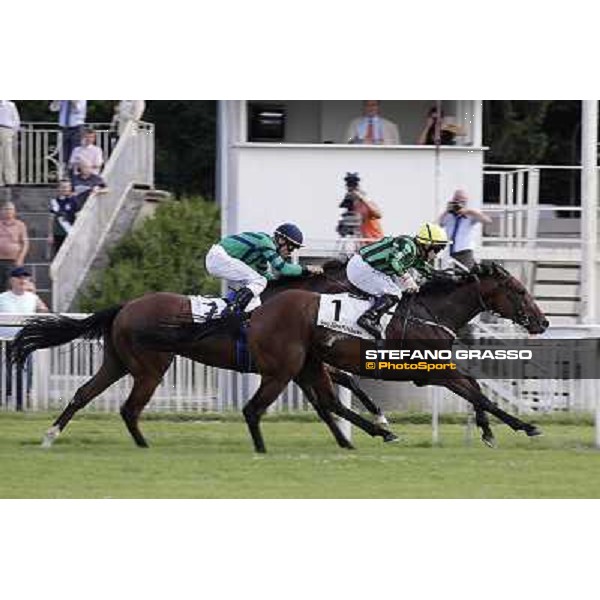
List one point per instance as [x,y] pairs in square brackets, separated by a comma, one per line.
[39,151]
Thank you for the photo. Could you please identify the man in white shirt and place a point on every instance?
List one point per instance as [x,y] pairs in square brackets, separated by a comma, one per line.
[20,300]
[71,119]
[10,123]
[372,128]
[87,152]
[459,223]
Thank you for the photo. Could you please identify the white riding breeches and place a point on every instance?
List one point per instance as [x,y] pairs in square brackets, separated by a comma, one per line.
[366,278]
[220,264]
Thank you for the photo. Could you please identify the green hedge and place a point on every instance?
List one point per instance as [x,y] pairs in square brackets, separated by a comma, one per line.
[165,254]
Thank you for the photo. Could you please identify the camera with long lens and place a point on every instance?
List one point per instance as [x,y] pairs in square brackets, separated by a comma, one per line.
[350,221]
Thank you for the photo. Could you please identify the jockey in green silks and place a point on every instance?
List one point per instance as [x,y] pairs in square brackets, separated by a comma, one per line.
[250,259]
[381,269]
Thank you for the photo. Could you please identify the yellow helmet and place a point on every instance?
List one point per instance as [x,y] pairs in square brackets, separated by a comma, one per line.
[431,234]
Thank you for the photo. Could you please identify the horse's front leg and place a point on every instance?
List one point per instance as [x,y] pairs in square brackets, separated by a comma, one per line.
[468,388]
[482,421]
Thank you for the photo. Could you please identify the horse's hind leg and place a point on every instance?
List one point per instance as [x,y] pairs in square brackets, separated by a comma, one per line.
[141,393]
[329,401]
[112,370]
[326,416]
[350,382]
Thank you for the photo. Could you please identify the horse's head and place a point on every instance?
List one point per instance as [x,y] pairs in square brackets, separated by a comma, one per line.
[503,294]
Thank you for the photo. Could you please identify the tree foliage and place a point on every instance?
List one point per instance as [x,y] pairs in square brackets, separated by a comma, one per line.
[532,131]
[185,145]
[515,131]
[165,254]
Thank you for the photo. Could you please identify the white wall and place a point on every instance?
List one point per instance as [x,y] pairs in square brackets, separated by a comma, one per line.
[304,184]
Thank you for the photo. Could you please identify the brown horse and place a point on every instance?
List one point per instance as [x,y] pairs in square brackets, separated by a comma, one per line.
[287,344]
[121,326]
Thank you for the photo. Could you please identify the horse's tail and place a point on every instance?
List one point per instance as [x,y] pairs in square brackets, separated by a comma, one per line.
[55,330]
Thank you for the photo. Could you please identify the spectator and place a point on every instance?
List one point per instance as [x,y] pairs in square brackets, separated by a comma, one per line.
[356,202]
[448,131]
[19,299]
[14,241]
[63,210]
[127,111]
[459,223]
[372,128]
[85,182]
[71,119]
[87,151]
[9,126]
[370,216]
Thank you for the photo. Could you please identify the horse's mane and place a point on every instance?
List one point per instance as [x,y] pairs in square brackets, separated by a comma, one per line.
[446,281]
[443,282]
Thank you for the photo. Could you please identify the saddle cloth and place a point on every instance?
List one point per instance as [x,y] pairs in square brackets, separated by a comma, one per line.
[205,308]
[339,312]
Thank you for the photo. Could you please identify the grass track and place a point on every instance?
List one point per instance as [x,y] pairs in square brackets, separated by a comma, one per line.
[96,458]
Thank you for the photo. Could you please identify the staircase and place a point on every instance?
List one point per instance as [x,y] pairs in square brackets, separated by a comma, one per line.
[129,177]
[31,203]
[557,289]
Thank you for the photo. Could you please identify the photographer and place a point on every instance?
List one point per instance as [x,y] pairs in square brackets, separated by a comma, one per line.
[459,223]
[447,131]
[362,217]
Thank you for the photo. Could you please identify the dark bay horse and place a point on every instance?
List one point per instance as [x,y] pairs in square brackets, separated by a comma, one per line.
[287,343]
[120,327]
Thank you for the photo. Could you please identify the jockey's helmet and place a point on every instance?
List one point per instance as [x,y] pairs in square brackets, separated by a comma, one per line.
[432,236]
[291,234]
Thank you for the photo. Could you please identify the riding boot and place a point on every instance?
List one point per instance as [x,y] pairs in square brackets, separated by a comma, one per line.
[369,320]
[242,298]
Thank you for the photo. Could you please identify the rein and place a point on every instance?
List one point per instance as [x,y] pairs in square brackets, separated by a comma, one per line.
[519,317]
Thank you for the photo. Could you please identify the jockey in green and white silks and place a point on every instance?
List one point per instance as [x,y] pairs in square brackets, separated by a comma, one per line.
[381,269]
[248,260]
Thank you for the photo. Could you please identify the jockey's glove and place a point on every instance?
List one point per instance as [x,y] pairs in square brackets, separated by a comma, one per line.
[408,284]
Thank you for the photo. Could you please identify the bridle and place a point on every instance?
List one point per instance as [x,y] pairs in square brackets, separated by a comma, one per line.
[520,317]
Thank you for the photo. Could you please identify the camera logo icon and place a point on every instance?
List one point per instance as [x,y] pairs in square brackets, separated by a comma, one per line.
[370,366]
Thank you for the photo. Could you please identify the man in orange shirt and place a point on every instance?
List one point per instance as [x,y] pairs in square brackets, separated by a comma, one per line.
[14,242]
[370,215]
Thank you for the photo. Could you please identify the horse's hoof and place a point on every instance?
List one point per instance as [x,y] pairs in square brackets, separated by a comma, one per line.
[50,436]
[489,441]
[390,437]
[533,431]
[381,420]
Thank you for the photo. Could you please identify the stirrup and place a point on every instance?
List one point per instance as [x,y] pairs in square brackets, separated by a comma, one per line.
[237,306]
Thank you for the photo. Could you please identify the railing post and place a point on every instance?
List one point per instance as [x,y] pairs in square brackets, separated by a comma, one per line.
[346,399]
[520,215]
[41,378]
[589,209]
